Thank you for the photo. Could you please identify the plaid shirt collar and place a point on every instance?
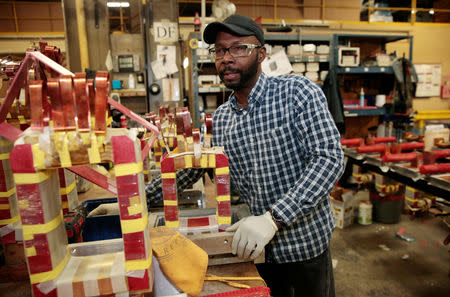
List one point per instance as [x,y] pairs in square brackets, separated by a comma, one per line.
[254,96]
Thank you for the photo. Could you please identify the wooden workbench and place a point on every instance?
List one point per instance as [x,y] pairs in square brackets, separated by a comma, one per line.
[246,269]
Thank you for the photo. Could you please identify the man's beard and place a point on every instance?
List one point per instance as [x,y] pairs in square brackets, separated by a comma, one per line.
[246,75]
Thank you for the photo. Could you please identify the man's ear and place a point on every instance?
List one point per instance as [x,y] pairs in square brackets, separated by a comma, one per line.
[261,54]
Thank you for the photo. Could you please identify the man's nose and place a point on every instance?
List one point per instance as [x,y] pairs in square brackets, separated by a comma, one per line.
[227,57]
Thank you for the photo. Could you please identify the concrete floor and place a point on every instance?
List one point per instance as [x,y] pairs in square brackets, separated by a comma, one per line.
[370,261]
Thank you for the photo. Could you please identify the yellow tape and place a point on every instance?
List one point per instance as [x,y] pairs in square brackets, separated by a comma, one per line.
[101,138]
[172,224]
[127,169]
[222,170]
[170,202]
[30,230]
[4,156]
[204,161]
[187,161]
[411,199]
[65,204]
[4,206]
[212,161]
[4,141]
[10,221]
[134,225]
[158,153]
[135,206]
[52,274]
[223,220]
[139,264]
[93,152]
[8,193]
[408,188]
[85,138]
[62,147]
[32,178]
[21,119]
[30,251]
[67,190]
[146,171]
[169,175]
[38,156]
[223,198]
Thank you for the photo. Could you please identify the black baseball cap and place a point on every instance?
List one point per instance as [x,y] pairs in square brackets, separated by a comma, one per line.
[237,24]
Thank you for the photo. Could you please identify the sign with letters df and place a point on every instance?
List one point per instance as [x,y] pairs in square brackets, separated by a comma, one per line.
[165,31]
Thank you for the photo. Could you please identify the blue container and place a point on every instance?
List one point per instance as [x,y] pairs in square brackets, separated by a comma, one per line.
[100,227]
[116,84]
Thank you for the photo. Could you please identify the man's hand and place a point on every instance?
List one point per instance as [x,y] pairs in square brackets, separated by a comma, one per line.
[105,209]
[253,233]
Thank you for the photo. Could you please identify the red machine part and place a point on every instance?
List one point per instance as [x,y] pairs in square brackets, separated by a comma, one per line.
[407,146]
[37,95]
[435,168]
[352,142]
[57,106]
[101,93]
[376,140]
[68,102]
[82,101]
[404,157]
[374,148]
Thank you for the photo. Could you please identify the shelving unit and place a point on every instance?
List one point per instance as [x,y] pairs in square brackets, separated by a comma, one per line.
[375,79]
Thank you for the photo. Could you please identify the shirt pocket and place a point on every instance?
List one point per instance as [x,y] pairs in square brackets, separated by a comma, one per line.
[272,145]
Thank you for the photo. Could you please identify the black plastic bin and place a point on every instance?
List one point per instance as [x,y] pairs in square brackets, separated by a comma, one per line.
[100,227]
[387,209]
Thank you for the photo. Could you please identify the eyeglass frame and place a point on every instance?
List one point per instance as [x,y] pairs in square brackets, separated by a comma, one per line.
[212,52]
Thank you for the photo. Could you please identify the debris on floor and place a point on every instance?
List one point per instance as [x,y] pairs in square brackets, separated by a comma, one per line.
[384,247]
[399,234]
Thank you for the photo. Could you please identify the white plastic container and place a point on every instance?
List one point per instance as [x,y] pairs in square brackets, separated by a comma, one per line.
[365,212]
[131,81]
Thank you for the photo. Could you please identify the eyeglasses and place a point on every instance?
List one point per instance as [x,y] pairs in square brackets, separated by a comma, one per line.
[238,50]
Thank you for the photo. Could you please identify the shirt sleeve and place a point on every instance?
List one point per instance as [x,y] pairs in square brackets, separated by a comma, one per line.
[324,157]
[185,179]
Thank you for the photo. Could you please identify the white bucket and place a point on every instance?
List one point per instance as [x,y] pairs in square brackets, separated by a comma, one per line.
[380,100]
[365,212]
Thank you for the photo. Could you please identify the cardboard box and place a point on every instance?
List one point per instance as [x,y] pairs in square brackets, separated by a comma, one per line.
[343,210]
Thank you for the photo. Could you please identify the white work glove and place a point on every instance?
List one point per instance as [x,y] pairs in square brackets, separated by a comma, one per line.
[253,233]
[105,209]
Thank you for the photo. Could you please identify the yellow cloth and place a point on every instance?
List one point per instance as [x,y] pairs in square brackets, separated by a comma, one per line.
[182,261]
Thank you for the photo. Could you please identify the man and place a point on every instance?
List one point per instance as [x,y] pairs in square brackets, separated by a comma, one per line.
[284,156]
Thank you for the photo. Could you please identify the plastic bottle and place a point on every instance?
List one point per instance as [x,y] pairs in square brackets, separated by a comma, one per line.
[131,82]
[361,97]
[197,22]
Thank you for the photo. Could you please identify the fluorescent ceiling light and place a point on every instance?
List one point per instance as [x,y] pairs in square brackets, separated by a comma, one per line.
[431,11]
[118,4]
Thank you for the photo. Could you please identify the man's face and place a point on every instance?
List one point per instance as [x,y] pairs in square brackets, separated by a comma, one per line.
[239,72]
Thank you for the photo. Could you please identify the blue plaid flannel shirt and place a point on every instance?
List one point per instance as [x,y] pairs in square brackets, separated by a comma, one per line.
[285,154]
